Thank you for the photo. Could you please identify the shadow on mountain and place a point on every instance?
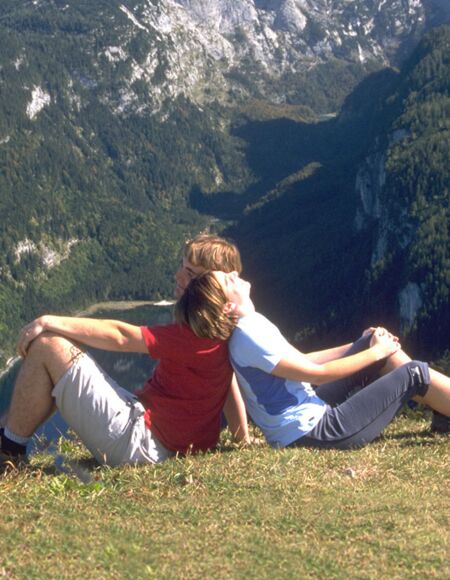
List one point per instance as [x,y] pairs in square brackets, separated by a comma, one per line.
[295,226]
[275,150]
[363,105]
[437,12]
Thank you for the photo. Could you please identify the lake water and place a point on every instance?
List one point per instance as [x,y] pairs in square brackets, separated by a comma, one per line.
[130,370]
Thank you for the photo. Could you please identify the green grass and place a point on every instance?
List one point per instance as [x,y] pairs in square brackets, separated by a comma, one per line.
[379,512]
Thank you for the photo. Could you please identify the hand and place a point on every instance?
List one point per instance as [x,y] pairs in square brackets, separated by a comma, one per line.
[28,334]
[385,342]
[372,329]
[368,331]
[250,440]
[255,440]
[393,336]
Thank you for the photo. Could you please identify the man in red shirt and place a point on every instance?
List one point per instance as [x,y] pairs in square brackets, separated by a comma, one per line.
[177,411]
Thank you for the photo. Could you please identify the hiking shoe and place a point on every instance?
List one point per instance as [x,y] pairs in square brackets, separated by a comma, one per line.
[10,462]
[440,423]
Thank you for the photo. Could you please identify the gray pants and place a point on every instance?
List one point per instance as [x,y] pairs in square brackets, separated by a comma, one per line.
[359,407]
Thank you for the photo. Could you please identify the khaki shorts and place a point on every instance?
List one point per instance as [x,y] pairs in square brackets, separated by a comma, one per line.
[107,418]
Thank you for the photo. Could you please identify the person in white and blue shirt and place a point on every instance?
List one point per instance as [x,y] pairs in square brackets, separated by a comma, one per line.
[355,394]
[283,409]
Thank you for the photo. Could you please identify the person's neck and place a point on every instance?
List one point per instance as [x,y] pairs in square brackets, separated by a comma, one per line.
[245,309]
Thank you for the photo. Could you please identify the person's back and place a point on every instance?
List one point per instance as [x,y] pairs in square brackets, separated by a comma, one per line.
[186,393]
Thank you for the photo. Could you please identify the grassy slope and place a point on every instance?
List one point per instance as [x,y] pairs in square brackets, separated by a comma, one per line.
[378,512]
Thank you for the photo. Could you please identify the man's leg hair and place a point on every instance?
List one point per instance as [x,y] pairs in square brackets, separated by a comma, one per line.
[47,360]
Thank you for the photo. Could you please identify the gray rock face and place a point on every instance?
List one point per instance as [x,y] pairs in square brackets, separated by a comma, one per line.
[217,50]
[154,51]
[315,29]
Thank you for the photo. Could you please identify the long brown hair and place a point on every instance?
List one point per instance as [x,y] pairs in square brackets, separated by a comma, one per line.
[202,308]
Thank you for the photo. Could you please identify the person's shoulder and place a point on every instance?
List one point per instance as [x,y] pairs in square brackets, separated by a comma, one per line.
[179,339]
[256,342]
[249,328]
[171,331]
[171,327]
[253,322]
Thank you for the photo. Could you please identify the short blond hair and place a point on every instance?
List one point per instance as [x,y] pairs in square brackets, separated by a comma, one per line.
[201,307]
[212,252]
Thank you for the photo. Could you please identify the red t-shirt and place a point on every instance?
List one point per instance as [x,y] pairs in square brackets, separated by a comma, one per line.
[185,396]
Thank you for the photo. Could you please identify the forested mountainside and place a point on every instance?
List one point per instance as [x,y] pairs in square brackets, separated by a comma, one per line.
[94,199]
[127,126]
[359,233]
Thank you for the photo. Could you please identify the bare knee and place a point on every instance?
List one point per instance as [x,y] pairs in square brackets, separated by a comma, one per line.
[52,353]
[396,360]
[48,346]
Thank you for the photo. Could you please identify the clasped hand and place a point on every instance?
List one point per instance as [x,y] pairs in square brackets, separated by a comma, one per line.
[385,340]
[28,334]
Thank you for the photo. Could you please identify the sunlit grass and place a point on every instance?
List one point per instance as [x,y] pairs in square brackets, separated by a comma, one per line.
[378,512]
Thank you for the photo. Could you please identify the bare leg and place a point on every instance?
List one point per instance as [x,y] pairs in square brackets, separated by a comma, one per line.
[438,395]
[395,361]
[49,357]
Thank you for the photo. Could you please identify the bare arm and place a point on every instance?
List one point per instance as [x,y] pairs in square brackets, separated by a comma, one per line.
[329,354]
[298,367]
[235,413]
[105,334]
[323,356]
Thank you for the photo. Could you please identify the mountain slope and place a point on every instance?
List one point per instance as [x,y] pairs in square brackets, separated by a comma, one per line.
[360,235]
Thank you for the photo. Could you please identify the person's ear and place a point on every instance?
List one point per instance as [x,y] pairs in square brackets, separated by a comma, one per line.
[229,308]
